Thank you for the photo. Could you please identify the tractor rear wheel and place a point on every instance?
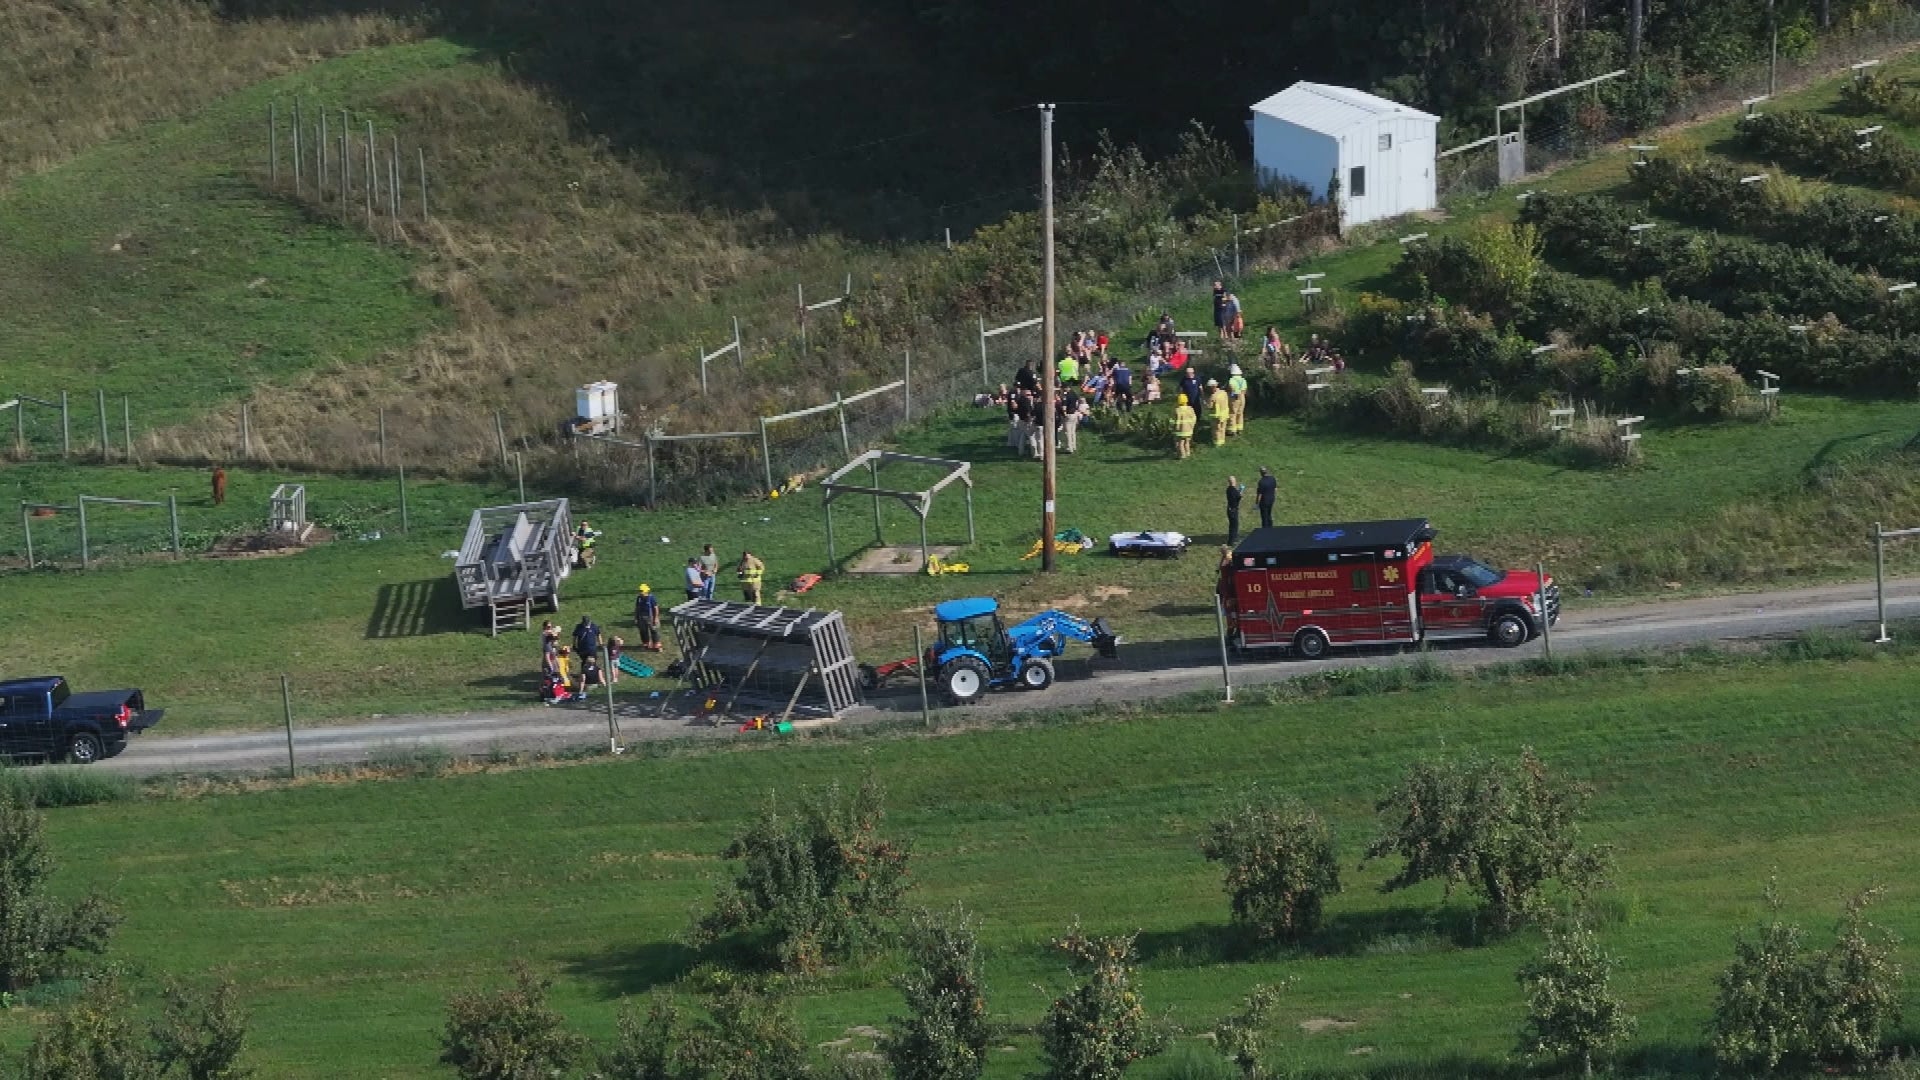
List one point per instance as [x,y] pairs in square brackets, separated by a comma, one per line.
[965,680]
[1037,674]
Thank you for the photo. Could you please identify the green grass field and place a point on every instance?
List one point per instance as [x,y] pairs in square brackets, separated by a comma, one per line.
[347,914]
[374,627]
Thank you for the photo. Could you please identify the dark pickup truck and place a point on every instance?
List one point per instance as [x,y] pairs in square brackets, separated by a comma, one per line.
[42,717]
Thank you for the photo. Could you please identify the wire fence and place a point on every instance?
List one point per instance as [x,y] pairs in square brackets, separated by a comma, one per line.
[1578,125]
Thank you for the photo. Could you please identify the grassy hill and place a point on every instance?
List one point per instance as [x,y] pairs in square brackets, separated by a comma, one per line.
[347,914]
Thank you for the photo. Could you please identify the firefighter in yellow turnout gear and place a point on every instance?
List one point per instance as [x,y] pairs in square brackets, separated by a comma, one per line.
[1184,421]
[1219,409]
[750,571]
[1237,398]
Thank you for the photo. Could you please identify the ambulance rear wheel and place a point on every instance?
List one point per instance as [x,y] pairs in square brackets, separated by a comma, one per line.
[964,680]
[1036,675]
[1310,644]
[1509,630]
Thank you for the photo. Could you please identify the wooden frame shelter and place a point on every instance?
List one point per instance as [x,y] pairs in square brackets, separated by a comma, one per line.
[920,502]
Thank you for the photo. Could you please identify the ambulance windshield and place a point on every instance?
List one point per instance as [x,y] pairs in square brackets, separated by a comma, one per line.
[1477,574]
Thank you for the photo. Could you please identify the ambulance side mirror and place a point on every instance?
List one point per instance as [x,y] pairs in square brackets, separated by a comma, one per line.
[1463,591]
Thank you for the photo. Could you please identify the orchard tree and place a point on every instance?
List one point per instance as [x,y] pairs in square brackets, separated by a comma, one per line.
[647,1047]
[819,884]
[1504,831]
[751,1034]
[508,1034]
[945,1035]
[1280,864]
[199,1036]
[1858,987]
[1241,1038]
[1099,1029]
[37,931]
[1572,1014]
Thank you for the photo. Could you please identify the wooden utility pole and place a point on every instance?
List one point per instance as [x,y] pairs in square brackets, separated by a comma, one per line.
[1047,337]
[1635,24]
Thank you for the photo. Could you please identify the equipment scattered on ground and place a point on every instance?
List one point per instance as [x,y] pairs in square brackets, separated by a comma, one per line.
[628,665]
[805,582]
[1159,545]
[1310,587]
[873,677]
[1065,542]
[514,557]
[781,658]
[975,649]
[937,566]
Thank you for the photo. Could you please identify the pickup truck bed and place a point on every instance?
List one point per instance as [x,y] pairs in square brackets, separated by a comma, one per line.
[43,718]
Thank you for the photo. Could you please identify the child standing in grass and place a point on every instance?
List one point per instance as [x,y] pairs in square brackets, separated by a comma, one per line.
[615,646]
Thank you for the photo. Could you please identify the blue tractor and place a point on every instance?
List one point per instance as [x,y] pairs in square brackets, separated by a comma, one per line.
[976,649]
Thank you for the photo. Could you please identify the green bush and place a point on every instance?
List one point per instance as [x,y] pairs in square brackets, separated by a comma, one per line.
[819,884]
[944,1036]
[199,1036]
[1100,1028]
[1241,1038]
[1280,864]
[1572,1013]
[508,1034]
[38,932]
[1505,831]
[1827,146]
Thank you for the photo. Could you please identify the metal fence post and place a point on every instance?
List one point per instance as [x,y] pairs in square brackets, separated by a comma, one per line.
[1880,580]
[697,351]
[299,182]
[1236,248]
[766,454]
[86,552]
[846,440]
[653,477]
[1226,673]
[739,351]
[26,526]
[402,467]
[500,433]
[985,379]
[373,175]
[383,436]
[66,429]
[1546,624]
[273,142]
[920,665]
[20,428]
[906,393]
[100,402]
[173,523]
[286,704]
[423,183]
[520,473]
[126,426]
[606,678]
[246,432]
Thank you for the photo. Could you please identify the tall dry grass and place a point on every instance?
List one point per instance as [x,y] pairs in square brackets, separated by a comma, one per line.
[76,73]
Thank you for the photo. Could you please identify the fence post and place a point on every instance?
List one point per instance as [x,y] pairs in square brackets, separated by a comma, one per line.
[985,379]
[800,294]
[346,164]
[66,429]
[520,473]
[1236,248]
[286,704]
[907,392]
[766,454]
[299,182]
[321,172]
[126,425]
[100,402]
[273,143]
[1226,673]
[1546,625]
[403,498]
[373,177]
[606,679]
[246,432]
[26,526]
[653,477]
[840,406]
[423,183]
[20,429]
[920,665]
[1880,580]
[739,351]
[383,436]
[173,523]
[86,552]
[393,182]
[500,433]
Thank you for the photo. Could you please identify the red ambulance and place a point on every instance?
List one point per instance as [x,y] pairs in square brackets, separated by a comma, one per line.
[1310,587]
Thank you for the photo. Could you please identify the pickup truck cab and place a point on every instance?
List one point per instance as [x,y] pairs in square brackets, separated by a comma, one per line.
[42,717]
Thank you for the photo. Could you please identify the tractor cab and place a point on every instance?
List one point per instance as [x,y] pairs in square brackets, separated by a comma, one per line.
[973,625]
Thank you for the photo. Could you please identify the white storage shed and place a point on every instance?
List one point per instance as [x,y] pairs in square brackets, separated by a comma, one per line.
[1382,151]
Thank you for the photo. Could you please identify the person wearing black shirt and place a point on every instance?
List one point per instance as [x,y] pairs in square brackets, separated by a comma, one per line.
[1026,380]
[1235,489]
[1263,494]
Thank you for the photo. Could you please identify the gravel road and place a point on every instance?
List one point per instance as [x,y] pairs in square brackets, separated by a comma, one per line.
[1148,671]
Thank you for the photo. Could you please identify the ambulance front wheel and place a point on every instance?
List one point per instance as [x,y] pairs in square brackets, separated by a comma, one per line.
[1310,644]
[1509,631]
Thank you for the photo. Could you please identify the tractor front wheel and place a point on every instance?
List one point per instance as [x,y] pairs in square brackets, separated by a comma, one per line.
[1037,674]
[965,680]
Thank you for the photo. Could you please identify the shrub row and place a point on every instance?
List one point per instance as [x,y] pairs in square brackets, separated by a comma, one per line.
[1736,275]
[1827,146]
[1635,339]
[1848,230]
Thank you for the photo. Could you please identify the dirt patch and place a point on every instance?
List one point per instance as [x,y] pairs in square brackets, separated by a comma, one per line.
[264,545]
[1110,592]
[897,560]
[1315,1025]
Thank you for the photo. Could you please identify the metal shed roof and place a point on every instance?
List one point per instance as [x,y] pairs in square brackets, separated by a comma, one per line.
[1331,109]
